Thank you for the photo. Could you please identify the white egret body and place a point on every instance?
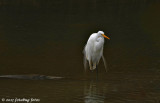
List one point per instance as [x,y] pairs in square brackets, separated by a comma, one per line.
[93,50]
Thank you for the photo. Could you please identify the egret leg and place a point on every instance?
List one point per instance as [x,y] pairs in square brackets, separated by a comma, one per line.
[90,65]
[97,71]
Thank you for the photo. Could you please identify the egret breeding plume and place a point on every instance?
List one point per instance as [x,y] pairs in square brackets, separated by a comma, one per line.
[93,50]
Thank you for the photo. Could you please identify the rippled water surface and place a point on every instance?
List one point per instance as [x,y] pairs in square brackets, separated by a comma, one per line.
[41,44]
[115,88]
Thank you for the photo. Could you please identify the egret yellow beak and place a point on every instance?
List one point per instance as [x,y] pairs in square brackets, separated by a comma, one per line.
[105,36]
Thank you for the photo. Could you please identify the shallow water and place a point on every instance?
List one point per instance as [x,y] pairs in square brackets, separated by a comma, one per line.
[47,39]
[115,88]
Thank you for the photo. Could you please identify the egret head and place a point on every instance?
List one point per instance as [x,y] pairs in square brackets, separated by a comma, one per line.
[102,33]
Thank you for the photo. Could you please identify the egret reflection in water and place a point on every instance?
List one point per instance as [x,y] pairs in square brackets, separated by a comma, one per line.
[94,93]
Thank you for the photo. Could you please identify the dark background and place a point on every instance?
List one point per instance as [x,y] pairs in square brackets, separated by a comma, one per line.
[48,36]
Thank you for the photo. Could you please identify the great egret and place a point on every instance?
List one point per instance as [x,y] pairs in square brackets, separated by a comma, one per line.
[93,50]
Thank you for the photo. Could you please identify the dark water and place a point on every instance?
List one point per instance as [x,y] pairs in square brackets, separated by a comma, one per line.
[46,38]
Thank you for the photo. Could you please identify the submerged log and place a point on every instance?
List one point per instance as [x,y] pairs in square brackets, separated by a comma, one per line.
[30,77]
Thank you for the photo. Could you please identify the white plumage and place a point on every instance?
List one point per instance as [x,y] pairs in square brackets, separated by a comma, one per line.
[93,50]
